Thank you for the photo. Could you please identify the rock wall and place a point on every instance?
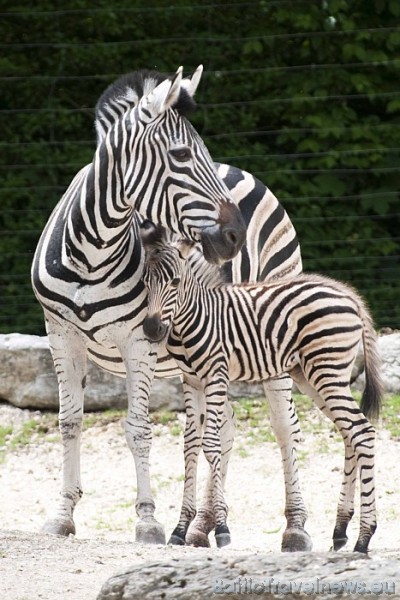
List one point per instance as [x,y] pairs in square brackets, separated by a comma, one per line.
[28,379]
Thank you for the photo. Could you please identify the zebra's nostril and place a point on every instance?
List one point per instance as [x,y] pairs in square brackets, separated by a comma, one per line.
[231,236]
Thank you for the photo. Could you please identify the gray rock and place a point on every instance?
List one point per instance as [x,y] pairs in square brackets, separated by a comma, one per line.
[267,576]
[389,350]
[28,380]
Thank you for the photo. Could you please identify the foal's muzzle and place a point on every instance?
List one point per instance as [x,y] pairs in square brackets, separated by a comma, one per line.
[154,329]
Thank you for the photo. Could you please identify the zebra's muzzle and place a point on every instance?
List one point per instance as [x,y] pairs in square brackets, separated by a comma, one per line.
[154,329]
[223,241]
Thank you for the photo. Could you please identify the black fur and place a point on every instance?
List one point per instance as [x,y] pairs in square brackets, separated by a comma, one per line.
[136,81]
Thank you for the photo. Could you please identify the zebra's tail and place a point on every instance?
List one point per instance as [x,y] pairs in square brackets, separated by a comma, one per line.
[373,391]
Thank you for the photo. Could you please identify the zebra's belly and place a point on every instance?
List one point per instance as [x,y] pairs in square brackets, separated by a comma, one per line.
[109,359]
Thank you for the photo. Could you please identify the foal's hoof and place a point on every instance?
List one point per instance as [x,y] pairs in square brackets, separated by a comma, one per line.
[361,546]
[150,532]
[176,540]
[59,527]
[338,543]
[296,540]
[197,538]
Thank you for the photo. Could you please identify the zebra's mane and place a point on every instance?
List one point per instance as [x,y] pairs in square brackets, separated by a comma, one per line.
[125,93]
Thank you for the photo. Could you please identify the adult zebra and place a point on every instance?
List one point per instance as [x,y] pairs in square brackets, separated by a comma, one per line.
[308,326]
[271,251]
[87,268]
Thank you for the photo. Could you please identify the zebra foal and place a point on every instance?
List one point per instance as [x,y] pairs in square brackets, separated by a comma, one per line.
[309,326]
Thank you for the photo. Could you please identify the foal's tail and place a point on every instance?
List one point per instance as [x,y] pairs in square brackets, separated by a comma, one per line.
[373,391]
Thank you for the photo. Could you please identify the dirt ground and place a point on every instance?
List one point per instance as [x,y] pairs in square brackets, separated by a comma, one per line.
[37,566]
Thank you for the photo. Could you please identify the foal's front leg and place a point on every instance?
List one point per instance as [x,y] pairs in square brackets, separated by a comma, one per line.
[69,356]
[216,392]
[140,358]
[195,417]
[204,521]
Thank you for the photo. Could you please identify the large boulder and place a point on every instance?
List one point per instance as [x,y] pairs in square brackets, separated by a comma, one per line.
[268,576]
[28,380]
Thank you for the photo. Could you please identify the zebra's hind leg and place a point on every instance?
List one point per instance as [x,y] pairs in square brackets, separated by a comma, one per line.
[345,510]
[204,521]
[69,356]
[286,429]
[359,439]
[140,360]
[195,416]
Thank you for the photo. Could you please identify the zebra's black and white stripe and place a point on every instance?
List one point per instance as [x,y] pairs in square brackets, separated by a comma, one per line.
[88,264]
[308,326]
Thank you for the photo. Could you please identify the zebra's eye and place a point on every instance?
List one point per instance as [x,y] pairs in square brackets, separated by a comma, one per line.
[181,154]
[176,281]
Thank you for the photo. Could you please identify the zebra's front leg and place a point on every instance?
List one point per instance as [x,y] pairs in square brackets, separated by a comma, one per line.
[69,356]
[204,521]
[140,360]
[195,416]
[286,429]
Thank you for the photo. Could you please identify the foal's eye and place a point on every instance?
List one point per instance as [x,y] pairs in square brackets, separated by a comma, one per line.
[175,281]
[182,154]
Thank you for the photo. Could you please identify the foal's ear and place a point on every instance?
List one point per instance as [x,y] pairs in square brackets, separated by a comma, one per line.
[185,247]
[151,234]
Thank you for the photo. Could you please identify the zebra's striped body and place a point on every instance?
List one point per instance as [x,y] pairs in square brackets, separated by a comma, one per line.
[88,265]
[308,326]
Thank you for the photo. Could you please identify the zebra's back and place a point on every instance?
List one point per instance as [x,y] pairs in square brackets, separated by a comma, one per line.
[279,325]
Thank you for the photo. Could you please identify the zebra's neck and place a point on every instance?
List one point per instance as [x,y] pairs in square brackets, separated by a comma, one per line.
[197,298]
[98,220]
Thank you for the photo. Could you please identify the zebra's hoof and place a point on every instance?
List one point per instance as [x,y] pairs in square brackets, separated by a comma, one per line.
[150,532]
[338,543]
[296,540]
[63,527]
[197,538]
[175,540]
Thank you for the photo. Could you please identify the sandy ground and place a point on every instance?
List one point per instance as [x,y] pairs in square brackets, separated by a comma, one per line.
[35,566]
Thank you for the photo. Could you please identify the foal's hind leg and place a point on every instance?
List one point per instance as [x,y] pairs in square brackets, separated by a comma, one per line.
[359,439]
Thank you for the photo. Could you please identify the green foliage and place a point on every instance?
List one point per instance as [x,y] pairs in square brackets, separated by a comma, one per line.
[302,94]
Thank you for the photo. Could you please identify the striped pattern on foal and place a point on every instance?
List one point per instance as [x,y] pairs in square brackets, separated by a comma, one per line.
[309,326]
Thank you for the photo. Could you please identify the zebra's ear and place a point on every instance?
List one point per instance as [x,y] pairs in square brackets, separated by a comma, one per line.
[191,85]
[161,98]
